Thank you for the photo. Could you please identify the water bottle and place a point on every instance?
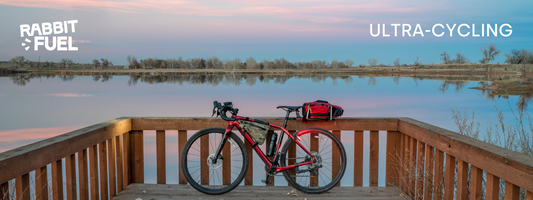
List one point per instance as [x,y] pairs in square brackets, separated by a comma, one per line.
[272,145]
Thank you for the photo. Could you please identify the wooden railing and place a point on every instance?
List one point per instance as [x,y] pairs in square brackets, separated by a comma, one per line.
[421,159]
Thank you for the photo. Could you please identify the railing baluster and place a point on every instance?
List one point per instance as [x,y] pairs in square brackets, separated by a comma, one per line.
[102,156]
[22,187]
[126,155]
[358,138]
[83,175]
[405,164]
[249,178]
[226,164]
[136,151]
[439,168]
[476,179]
[292,154]
[430,160]
[313,181]
[449,177]
[70,171]
[492,188]
[111,167]
[512,192]
[335,157]
[161,160]
[182,139]
[412,166]
[374,159]
[204,153]
[462,179]
[4,190]
[93,170]
[529,195]
[391,175]
[119,161]
[41,183]
[57,179]
[399,161]
[420,170]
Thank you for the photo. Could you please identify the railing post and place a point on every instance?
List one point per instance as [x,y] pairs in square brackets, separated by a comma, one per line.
[476,180]
[182,139]
[374,159]
[22,186]
[512,192]
[428,190]
[83,176]
[420,170]
[449,177]
[93,170]
[120,162]
[462,179]
[335,157]
[160,155]
[136,157]
[358,158]
[102,156]
[111,167]
[70,171]
[492,189]
[391,172]
[439,168]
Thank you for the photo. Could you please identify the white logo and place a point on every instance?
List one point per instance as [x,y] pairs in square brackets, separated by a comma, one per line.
[42,32]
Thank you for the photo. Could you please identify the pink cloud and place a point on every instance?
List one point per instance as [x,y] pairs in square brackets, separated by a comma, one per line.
[15,138]
[69,95]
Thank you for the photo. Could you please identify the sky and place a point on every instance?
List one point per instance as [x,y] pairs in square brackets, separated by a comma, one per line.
[291,29]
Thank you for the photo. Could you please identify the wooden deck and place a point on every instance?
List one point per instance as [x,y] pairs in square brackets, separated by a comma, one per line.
[168,191]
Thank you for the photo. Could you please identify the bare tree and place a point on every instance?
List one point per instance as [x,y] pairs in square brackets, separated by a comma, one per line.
[489,53]
[445,58]
[334,64]
[66,63]
[105,63]
[397,62]
[20,61]
[519,56]
[461,59]
[372,62]
[96,63]
[251,64]
[348,62]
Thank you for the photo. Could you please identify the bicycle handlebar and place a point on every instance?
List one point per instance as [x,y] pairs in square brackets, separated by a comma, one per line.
[221,110]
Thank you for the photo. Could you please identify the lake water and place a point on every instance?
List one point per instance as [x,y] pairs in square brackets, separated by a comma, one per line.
[37,107]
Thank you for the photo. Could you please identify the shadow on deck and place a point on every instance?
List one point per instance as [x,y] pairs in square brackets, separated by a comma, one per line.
[168,191]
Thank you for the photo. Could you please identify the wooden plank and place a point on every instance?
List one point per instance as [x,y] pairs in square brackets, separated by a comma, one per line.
[529,195]
[204,154]
[462,179]
[512,192]
[374,159]
[83,175]
[93,170]
[23,160]
[111,167]
[120,162]
[57,179]
[249,178]
[102,158]
[430,160]
[161,157]
[22,187]
[314,141]
[41,183]
[391,175]
[4,191]
[292,154]
[198,123]
[438,180]
[449,177]
[492,188]
[358,138]
[476,180]
[506,164]
[70,171]
[136,158]
[126,156]
[182,139]
[412,166]
[335,157]
[420,170]
[400,162]
[226,164]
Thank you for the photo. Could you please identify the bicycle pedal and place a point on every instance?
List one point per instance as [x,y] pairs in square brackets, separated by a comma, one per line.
[266,181]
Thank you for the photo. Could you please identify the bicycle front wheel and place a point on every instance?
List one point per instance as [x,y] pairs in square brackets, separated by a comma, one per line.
[206,173]
[330,163]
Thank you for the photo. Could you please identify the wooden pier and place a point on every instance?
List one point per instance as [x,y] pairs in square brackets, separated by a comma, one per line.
[422,162]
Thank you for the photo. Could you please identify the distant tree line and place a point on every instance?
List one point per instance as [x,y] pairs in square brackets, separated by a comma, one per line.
[21,61]
[520,56]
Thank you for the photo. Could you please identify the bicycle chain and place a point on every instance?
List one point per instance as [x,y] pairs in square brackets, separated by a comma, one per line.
[266,170]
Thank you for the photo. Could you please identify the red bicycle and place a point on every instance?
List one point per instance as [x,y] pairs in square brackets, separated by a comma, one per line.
[215,160]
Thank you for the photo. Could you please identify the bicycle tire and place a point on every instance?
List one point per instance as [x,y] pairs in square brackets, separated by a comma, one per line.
[324,149]
[220,179]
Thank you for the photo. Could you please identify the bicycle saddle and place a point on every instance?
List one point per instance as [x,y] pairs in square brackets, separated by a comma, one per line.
[289,108]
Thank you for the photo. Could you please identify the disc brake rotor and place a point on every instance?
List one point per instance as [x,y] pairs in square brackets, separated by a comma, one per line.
[215,165]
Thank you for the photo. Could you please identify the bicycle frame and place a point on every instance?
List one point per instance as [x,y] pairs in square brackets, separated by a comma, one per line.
[268,162]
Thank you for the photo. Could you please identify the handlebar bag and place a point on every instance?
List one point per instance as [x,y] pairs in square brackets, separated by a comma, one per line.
[256,130]
[321,110]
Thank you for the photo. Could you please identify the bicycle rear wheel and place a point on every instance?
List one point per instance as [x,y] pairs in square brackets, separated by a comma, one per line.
[326,172]
[216,177]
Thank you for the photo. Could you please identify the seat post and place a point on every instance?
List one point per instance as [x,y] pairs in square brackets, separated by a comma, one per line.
[286,119]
